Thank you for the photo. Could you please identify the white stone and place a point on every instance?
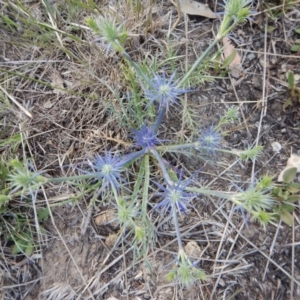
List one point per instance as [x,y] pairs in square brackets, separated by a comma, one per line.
[276,147]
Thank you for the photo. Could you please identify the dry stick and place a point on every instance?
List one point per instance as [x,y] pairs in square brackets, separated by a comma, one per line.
[125,275]
[293,259]
[2,288]
[291,245]
[266,95]
[262,114]
[240,104]
[29,62]
[229,252]
[268,53]
[265,70]
[177,5]
[186,29]
[231,271]
[186,70]
[92,280]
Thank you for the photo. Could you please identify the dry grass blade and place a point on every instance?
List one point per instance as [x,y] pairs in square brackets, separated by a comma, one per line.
[50,13]
[60,290]
[12,98]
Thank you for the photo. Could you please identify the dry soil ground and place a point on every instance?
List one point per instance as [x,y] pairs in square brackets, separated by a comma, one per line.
[61,83]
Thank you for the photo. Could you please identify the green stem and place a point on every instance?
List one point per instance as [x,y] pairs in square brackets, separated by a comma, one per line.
[138,182]
[197,62]
[221,34]
[159,119]
[137,68]
[146,186]
[71,178]
[162,165]
[147,225]
[116,195]
[195,145]
[176,147]
[207,192]
[130,158]
[176,224]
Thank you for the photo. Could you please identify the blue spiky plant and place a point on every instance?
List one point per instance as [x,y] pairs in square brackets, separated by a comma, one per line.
[107,173]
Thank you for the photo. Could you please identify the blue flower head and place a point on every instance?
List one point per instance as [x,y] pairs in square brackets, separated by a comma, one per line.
[145,137]
[210,140]
[108,168]
[174,193]
[164,91]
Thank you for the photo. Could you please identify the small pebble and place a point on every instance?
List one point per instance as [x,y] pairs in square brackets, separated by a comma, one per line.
[251,56]
[276,147]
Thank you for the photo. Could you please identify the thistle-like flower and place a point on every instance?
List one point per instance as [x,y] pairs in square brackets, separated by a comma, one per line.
[185,273]
[263,217]
[112,36]
[164,91]
[145,137]
[210,140]
[126,212]
[251,153]
[139,233]
[253,200]
[237,8]
[230,116]
[236,12]
[107,168]
[265,183]
[25,178]
[174,195]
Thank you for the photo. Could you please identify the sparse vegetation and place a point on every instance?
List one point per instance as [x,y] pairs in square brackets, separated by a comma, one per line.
[97,118]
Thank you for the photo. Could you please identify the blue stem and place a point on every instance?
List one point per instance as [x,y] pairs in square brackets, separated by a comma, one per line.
[159,119]
[162,165]
[176,224]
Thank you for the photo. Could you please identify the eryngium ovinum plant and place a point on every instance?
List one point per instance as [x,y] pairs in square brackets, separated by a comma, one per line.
[106,172]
